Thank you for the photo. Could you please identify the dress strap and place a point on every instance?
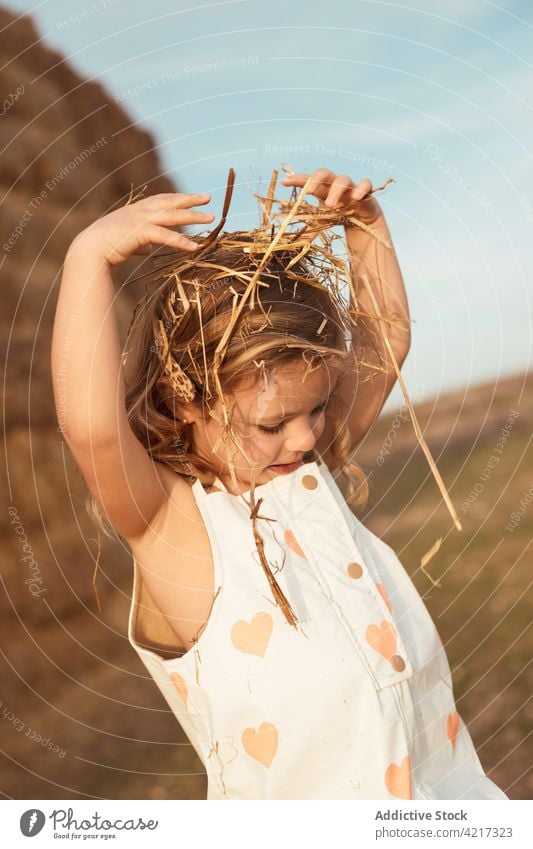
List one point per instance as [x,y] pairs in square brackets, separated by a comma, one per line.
[218,482]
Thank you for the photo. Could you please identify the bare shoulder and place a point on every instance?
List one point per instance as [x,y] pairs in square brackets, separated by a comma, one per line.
[171,480]
[175,563]
[175,508]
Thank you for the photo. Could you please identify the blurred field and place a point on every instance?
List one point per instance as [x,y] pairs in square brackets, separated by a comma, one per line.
[72,676]
[481,609]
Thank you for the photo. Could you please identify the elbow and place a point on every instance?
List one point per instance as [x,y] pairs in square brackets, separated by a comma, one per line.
[403,350]
[400,355]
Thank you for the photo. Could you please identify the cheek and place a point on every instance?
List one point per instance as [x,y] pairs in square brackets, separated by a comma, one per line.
[261,448]
[320,426]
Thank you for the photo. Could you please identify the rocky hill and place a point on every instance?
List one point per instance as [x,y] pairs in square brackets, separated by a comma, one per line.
[69,155]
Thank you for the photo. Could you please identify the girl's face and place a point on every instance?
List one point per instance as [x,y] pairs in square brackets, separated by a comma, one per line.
[276,422]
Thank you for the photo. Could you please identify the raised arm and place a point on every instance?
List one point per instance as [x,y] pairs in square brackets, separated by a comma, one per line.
[86,357]
[358,399]
[365,398]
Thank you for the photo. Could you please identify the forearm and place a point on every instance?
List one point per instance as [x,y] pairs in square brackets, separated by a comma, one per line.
[86,350]
[379,264]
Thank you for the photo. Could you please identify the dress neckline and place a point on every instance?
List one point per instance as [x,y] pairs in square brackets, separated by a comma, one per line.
[280,480]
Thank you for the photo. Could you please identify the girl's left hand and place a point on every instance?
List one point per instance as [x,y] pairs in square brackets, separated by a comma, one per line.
[333,191]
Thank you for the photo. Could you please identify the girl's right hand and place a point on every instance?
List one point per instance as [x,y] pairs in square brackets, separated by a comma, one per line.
[135,227]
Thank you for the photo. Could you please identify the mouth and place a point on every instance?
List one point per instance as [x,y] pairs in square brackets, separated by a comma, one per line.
[284,468]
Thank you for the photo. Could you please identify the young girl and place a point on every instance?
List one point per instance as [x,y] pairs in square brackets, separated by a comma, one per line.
[287,639]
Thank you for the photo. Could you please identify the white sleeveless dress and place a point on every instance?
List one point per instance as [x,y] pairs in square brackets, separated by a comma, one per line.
[356,702]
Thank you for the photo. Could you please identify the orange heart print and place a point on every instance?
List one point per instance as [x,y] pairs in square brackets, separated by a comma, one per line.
[452,726]
[398,779]
[252,637]
[180,685]
[293,544]
[383,593]
[261,745]
[382,638]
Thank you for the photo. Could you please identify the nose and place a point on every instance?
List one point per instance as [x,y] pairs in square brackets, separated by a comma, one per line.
[301,438]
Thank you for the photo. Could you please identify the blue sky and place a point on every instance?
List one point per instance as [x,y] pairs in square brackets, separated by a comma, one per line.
[437,96]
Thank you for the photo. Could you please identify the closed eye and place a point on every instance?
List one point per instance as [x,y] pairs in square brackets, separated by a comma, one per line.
[279,427]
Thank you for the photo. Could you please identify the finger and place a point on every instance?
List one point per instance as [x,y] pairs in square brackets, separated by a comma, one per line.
[173,216]
[176,199]
[162,236]
[192,200]
[144,249]
[361,189]
[320,182]
[317,175]
[338,189]
[319,185]
[295,178]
